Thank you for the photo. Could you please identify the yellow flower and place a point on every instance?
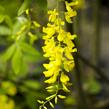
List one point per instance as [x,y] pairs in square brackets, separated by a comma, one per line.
[50,32]
[68,54]
[61,36]
[59,22]
[68,7]
[69,15]
[68,65]
[64,78]
[52,79]
[70,12]
[52,69]
[53,15]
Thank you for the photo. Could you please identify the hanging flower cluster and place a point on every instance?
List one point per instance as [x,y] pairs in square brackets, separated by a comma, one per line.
[58,48]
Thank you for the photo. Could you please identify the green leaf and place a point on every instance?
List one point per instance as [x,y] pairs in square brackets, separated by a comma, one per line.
[24,68]
[4,30]
[9,8]
[2,18]
[29,49]
[24,6]
[9,52]
[8,21]
[17,61]
[32,84]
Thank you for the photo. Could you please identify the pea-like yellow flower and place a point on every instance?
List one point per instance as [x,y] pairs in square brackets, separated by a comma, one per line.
[53,14]
[64,78]
[58,48]
[70,12]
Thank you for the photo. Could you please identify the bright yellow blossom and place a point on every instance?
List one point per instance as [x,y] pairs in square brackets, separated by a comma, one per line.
[64,78]
[53,15]
[58,47]
[70,12]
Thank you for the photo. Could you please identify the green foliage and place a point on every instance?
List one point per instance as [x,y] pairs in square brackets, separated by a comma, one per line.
[28,49]
[25,5]
[9,52]
[32,84]
[19,59]
[4,30]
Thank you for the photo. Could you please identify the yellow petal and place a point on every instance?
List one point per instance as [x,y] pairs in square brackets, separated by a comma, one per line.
[64,78]
[48,73]
[51,79]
